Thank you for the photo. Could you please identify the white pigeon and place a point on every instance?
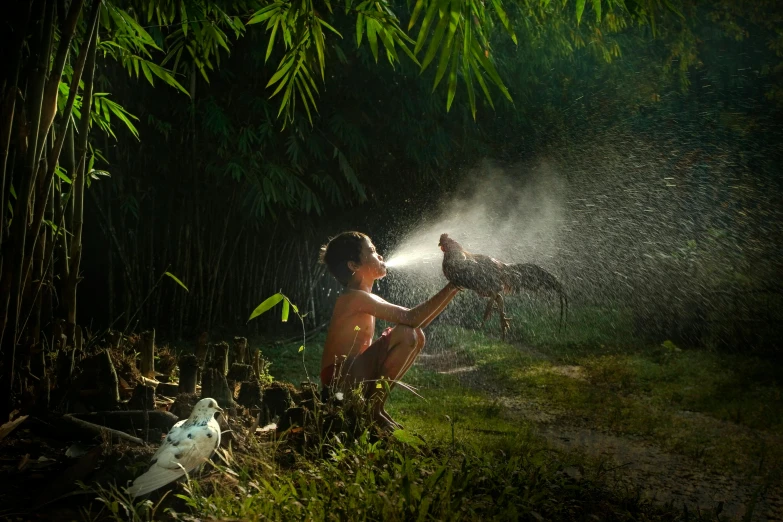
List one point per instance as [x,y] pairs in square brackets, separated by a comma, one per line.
[188,445]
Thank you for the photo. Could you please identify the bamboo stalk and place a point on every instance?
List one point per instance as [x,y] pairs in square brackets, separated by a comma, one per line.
[14,252]
[52,88]
[87,49]
[151,254]
[20,20]
[78,182]
[110,270]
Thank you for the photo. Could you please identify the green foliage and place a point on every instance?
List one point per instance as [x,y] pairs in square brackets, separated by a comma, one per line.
[367,479]
[176,280]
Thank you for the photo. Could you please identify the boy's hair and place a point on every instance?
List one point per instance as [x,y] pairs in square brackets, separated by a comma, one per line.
[339,250]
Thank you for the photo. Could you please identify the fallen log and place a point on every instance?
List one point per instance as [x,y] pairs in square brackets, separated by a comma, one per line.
[100,430]
[130,420]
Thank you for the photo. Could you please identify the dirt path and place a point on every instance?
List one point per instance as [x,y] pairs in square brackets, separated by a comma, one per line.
[635,464]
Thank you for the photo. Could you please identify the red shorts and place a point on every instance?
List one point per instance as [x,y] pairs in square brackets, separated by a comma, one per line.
[360,367]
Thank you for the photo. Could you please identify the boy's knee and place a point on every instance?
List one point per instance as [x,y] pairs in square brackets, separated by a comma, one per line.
[408,335]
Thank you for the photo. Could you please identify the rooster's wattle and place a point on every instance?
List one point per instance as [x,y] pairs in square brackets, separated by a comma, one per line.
[491,278]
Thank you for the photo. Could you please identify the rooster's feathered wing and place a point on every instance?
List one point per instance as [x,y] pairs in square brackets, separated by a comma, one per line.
[480,273]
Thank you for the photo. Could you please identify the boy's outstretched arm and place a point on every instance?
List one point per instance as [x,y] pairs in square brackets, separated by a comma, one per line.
[440,308]
[416,317]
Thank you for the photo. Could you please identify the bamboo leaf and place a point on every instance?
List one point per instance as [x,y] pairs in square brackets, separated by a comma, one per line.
[597,9]
[452,82]
[490,69]
[505,21]
[303,85]
[580,7]
[271,43]
[440,30]
[184,16]
[425,25]
[285,311]
[443,64]
[416,12]
[299,84]
[267,305]
[482,84]
[147,73]
[359,29]
[323,22]
[468,79]
[176,280]
[265,13]
[372,37]
[60,174]
[319,46]
[388,44]
[282,69]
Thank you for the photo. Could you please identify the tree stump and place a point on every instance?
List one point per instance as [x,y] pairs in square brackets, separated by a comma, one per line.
[219,359]
[183,405]
[143,398]
[240,372]
[240,350]
[292,417]
[147,350]
[214,385]
[250,395]
[276,400]
[188,373]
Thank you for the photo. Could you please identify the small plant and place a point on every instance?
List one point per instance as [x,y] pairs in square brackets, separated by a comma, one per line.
[119,505]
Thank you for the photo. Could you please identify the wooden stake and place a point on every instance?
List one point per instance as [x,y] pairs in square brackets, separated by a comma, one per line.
[188,373]
[148,354]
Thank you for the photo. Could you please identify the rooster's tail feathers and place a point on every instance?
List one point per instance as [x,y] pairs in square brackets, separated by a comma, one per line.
[530,277]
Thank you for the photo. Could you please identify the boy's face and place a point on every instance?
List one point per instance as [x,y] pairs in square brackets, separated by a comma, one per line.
[372,264]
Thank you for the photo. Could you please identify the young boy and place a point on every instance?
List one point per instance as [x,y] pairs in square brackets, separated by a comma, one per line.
[350,355]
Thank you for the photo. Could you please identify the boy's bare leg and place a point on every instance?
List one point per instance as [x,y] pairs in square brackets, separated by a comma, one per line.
[400,357]
[405,343]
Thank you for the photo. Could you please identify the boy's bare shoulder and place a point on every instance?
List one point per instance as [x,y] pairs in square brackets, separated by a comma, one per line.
[360,296]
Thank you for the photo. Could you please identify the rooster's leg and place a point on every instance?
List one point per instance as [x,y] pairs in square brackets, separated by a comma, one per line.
[488,311]
[505,323]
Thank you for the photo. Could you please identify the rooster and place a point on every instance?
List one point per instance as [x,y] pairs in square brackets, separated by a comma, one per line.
[491,278]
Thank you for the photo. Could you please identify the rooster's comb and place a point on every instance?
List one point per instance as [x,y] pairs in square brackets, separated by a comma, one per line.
[443,237]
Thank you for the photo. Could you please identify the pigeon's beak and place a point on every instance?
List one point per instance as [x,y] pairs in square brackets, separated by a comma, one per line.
[219,409]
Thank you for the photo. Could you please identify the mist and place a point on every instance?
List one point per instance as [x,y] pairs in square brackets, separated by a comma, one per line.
[683,240]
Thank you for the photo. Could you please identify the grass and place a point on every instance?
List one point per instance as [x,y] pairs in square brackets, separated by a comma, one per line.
[466,454]
[726,410]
